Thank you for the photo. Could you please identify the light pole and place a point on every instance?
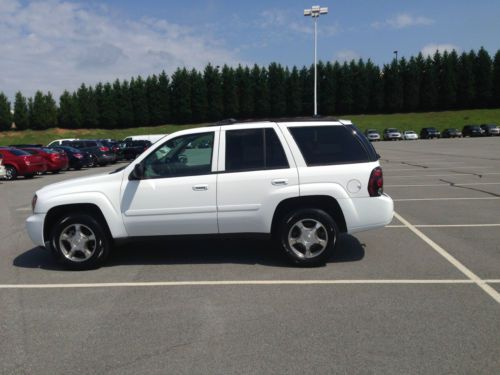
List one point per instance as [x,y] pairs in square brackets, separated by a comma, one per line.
[396,54]
[315,12]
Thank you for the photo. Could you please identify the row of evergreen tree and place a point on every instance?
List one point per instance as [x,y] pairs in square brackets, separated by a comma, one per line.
[444,81]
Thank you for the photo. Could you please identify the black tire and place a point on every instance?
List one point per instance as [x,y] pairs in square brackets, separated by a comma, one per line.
[100,247]
[28,176]
[10,172]
[328,232]
[56,172]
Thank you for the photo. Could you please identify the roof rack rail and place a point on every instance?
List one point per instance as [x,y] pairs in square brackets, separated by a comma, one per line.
[231,121]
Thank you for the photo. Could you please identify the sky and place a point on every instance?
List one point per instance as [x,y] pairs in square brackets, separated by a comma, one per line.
[58,44]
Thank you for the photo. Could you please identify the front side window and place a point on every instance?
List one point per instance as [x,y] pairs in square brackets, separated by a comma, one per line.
[187,155]
[254,149]
[327,145]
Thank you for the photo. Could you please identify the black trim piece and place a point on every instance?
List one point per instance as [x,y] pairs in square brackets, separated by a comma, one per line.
[126,240]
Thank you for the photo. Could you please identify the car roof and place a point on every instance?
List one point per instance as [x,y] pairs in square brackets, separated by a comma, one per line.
[285,120]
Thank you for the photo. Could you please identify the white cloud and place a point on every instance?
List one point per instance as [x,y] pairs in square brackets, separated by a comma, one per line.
[403,20]
[346,56]
[55,45]
[430,49]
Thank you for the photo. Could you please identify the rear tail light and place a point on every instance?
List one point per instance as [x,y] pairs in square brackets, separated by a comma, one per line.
[54,157]
[78,156]
[104,148]
[376,183]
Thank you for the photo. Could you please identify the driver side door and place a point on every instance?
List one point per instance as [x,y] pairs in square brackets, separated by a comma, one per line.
[178,192]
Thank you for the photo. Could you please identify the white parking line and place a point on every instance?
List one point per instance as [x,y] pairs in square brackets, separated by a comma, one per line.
[448,185]
[443,199]
[386,168]
[445,225]
[440,175]
[467,272]
[234,283]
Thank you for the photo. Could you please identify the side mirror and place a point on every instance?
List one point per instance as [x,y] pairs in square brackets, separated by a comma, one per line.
[137,173]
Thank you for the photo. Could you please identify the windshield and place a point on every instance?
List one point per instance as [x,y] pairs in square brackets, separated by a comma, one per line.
[392,130]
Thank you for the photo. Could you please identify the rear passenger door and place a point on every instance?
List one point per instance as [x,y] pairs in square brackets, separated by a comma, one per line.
[256,171]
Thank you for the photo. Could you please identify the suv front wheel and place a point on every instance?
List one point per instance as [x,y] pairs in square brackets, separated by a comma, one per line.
[308,236]
[79,242]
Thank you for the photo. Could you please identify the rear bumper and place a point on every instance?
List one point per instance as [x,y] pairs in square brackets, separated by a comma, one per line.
[34,227]
[367,213]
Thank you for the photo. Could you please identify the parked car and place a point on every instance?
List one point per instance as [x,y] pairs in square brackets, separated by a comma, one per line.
[21,163]
[472,131]
[392,134]
[114,147]
[301,183]
[372,135]
[147,137]
[77,158]
[59,142]
[101,154]
[452,133]
[132,149]
[55,161]
[2,169]
[430,133]
[490,129]
[410,135]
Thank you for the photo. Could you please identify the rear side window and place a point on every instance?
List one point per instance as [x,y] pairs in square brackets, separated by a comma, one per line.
[327,145]
[18,152]
[254,149]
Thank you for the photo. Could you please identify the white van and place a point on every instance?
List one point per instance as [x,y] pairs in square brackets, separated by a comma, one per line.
[146,137]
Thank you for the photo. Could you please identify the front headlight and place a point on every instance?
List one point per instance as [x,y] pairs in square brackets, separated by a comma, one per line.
[33,203]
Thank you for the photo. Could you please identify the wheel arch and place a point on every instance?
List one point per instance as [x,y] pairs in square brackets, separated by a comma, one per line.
[57,212]
[323,202]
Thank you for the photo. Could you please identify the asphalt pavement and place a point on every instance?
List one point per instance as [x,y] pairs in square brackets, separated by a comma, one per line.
[417,297]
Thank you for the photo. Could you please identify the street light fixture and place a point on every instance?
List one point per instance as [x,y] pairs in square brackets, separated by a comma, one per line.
[315,12]
[396,53]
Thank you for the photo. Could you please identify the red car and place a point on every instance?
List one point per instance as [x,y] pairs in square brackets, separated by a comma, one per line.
[21,163]
[56,161]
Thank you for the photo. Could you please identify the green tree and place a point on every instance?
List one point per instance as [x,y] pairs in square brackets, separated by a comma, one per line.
[466,81]
[483,78]
[125,112]
[106,106]
[88,107]
[411,84]
[306,77]
[50,110]
[429,88]
[393,87]
[359,86]
[244,89]
[154,100]
[139,101]
[345,94]
[448,81]
[66,115]
[21,114]
[164,98]
[261,91]
[213,83]
[181,96]
[229,93]
[294,93]
[375,88]
[199,105]
[277,93]
[5,114]
[43,111]
[495,100]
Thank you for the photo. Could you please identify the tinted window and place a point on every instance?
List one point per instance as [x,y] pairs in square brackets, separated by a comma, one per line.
[254,149]
[17,152]
[326,145]
[187,155]
[367,145]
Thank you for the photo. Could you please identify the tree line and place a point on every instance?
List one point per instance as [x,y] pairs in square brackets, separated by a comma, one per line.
[445,81]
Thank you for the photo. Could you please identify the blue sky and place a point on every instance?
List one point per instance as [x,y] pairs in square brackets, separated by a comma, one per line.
[57,44]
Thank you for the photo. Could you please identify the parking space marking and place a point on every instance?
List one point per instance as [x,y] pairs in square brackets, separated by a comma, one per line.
[443,199]
[450,258]
[234,283]
[442,175]
[445,226]
[448,185]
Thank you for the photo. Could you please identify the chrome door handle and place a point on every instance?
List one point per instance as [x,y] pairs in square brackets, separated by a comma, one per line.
[200,187]
[280,182]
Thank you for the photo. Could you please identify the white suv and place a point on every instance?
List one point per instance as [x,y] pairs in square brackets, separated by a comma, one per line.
[302,182]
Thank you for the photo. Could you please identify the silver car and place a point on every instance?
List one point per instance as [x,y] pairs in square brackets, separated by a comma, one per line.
[372,135]
[410,135]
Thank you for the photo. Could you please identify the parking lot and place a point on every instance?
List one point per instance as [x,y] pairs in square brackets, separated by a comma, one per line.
[419,296]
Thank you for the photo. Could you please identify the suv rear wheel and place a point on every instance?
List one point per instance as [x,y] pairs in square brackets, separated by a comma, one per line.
[80,242]
[308,236]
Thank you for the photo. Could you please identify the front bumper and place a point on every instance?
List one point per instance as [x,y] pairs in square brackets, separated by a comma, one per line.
[34,227]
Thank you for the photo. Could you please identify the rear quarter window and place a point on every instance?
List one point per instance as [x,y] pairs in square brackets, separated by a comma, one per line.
[328,145]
